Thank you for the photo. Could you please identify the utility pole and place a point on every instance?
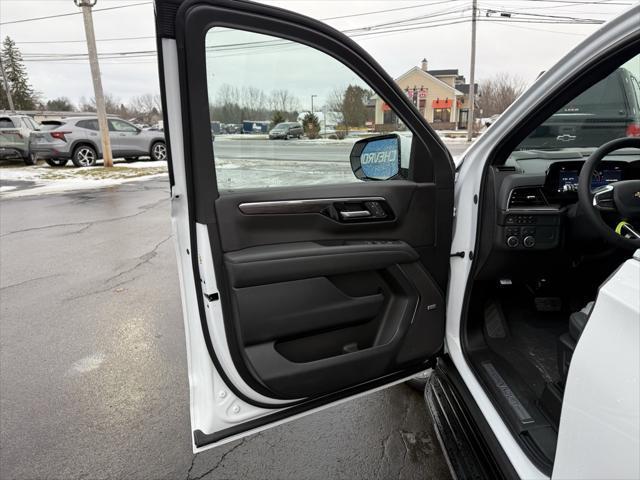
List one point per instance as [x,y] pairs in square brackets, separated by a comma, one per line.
[472,73]
[6,87]
[86,6]
[312,102]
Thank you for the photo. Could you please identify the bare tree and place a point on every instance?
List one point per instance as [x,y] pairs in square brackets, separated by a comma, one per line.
[283,101]
[498,92]
[253,99]
[147,107]
[112,104]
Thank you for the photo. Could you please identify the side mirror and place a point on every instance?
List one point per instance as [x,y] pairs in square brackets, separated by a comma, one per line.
[376,158]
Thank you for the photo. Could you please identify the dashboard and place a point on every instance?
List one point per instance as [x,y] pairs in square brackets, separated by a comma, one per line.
[562,177]
[534,206]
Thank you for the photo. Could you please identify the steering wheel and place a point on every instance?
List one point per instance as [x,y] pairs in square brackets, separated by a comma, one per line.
[622,197]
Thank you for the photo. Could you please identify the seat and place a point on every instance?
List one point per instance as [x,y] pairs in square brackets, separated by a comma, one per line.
[567,341]
[577,322]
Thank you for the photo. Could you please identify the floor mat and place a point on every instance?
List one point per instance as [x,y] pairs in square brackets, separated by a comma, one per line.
[531,343]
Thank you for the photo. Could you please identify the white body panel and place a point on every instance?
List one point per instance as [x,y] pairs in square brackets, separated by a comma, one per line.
[600,423]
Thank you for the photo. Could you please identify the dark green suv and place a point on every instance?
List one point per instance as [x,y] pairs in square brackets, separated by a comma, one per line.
[608,110]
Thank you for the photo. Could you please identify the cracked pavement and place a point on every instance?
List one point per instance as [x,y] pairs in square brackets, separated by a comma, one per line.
[93,380]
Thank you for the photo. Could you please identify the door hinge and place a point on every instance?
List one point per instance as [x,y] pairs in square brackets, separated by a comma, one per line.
[457,254]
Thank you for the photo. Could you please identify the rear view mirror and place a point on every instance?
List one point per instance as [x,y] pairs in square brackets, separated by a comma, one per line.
[376,158]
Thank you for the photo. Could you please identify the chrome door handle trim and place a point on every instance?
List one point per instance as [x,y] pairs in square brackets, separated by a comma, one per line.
[355,214]
[307,205]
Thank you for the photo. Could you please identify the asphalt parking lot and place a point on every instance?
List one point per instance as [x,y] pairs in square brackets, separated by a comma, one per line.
[93,380]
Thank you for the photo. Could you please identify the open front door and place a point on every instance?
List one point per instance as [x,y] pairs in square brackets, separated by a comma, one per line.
[312,269]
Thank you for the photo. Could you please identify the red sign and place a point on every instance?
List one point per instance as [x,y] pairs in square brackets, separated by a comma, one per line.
[441,103]
[423,93]
[385,107]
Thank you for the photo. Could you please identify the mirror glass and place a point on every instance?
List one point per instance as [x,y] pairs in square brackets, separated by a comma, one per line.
[376,158]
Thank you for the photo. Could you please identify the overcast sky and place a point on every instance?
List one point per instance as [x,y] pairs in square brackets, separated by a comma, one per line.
[524,49]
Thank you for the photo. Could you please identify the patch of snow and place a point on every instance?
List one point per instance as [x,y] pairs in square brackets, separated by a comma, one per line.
[86,364]
[54,180]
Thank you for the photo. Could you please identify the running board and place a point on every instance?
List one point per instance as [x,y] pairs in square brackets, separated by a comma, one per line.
[469,445]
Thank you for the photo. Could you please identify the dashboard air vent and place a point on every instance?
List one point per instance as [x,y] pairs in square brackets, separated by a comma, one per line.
[527,197]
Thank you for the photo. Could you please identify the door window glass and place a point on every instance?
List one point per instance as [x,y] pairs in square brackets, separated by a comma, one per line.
[6,123]
[88,124]
[121,126]
[441,114]
[289,114]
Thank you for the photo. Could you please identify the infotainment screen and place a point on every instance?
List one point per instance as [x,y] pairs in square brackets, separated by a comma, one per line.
[568,178]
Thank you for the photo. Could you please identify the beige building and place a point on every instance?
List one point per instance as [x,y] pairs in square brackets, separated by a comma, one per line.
[440,95]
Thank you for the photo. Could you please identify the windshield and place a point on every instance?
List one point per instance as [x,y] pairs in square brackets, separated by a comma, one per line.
[608,110]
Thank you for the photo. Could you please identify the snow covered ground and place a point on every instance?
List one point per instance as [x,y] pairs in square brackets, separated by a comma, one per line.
[45,179]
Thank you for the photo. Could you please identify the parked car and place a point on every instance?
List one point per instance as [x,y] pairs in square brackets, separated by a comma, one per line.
[232,128]
[78,139]
[286,130]
[610,108]
[522,296]
[14,137]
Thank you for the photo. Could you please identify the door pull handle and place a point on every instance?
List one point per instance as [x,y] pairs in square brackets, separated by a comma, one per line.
[346,215]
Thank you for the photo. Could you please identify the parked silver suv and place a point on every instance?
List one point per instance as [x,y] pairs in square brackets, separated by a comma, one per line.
[14,137]
[78,139]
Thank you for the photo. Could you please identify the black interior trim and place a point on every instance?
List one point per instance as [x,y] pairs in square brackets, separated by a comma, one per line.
[293,261]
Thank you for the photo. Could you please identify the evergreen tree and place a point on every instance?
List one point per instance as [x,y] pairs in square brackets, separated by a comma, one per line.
[277,118]
[354,107]
[61,104]
[311,125]
[24,98]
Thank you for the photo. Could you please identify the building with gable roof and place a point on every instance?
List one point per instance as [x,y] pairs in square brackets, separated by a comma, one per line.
[441,96]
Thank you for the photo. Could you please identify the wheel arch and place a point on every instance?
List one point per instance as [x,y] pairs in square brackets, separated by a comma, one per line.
[78,143]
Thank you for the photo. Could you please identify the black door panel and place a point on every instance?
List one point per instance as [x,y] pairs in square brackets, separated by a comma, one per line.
[309,336]
[413,206]
[340,294]
[293,261]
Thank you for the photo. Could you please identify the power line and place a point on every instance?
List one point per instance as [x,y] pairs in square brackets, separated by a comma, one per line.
[577,2]
[83,41]
[388,10]
[72,13]
[404,25]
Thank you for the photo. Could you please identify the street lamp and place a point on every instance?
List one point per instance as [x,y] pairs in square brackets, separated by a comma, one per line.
[312,102]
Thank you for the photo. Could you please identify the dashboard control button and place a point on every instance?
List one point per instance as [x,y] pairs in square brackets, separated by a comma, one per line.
[529,241]
[513,241]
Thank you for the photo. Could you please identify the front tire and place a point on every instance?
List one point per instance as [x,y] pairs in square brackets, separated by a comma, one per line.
[84,156]
[30,159]
[158,151]
[57,162]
